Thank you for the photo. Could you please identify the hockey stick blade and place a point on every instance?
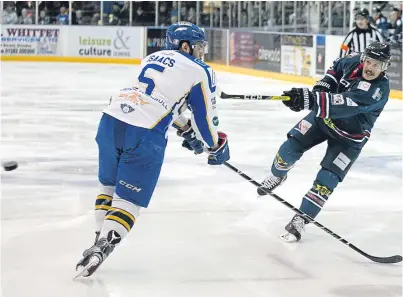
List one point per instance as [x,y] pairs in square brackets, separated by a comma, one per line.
[385,260]
[254,97]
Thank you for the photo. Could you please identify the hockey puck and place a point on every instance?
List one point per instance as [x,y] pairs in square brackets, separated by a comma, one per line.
[10,165]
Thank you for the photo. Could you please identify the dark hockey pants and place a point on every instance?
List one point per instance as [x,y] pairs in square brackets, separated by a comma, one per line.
[337,161]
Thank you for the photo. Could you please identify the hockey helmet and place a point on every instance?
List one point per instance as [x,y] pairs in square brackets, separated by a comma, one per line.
[185,32]
[379,51]
[362,13]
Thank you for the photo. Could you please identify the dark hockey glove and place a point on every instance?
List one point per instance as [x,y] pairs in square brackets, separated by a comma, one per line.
[220,154]
[190,141]
[300,99]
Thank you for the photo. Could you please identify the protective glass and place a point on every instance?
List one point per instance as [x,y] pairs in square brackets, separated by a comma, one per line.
[376,64]
[201,46]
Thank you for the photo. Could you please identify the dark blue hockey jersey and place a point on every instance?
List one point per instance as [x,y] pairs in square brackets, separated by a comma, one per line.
[351,106]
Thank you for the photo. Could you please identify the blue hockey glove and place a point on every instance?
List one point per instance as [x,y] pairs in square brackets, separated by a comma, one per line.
[190,141]
[221,154]
[301,98]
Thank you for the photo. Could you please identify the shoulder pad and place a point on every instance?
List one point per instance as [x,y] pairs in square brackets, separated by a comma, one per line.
[352,55]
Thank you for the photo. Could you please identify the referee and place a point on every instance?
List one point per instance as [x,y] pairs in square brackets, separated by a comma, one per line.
[362,35]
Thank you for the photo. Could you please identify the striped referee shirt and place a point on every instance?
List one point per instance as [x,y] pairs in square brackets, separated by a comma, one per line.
[358,39]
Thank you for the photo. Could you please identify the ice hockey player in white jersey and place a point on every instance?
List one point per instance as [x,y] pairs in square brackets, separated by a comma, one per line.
[132,134]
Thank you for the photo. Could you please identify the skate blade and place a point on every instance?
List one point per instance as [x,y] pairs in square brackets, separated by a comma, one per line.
[288,237]
[84,271]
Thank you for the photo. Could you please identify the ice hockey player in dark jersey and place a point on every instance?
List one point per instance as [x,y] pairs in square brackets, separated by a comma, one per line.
[344,106]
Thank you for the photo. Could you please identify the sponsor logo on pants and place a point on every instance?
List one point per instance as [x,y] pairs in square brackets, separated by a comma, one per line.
[303,127]
[342,161]
[129,186]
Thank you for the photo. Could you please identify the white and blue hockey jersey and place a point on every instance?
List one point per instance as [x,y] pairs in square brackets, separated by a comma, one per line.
[169,83]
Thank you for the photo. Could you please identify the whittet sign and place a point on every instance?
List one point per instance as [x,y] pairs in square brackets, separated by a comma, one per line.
[30,40]
[114,42]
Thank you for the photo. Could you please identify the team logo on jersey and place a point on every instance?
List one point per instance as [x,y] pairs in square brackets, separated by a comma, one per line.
[337,99]
[364,85]
[126,108]
[377,95]
[350,102]
[134,97]
[303,127]
[216,121]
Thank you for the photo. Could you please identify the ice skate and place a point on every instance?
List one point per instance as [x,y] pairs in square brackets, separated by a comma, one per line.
[97,233]
[270,183]
[96,255]
[294,229]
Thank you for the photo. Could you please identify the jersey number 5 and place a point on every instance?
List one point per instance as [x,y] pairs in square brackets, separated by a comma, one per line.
[149,81]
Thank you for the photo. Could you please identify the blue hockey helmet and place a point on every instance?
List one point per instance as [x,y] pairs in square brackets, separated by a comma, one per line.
[179,32]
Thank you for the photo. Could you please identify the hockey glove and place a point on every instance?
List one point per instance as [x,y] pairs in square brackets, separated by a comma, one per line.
[300,99]
[190,141]
[220,154]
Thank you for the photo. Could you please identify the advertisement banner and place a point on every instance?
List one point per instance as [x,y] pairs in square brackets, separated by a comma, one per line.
[217,46]
[394,71]
[268,51]
[297,53]
[155,40]
[30,40]
[96,42]
[320,54]
[242,49]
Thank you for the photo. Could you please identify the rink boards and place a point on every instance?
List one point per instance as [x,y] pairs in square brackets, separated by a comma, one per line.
[295,58]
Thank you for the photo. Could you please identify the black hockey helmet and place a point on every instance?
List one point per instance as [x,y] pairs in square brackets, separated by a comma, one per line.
[362,12]
[379,51]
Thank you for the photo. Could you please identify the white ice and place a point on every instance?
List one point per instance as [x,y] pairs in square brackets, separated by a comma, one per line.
[205,232]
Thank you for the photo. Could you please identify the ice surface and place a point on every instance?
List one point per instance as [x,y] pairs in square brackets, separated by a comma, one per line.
[205,233]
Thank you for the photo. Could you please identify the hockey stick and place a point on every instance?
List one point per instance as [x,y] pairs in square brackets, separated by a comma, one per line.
[388,260]
[254,97]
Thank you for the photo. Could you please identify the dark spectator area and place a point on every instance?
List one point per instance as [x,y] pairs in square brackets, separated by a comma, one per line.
[284,16]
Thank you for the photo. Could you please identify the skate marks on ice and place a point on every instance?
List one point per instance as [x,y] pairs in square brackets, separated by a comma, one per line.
[222,244]
[94,287]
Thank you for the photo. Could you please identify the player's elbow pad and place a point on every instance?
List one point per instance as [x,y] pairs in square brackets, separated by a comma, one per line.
[324,85]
